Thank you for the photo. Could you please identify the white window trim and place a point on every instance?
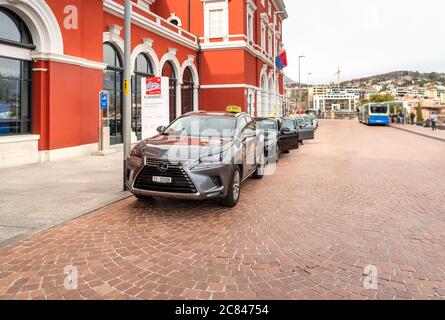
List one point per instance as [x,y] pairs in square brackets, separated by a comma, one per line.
[145,3]
[15,52]
[172,17]
[210,5]
[264,28]
[251,8]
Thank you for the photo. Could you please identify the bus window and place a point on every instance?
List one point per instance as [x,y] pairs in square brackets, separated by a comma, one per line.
[379,109]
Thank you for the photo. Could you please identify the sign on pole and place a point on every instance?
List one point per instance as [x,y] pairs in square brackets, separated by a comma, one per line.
[155,105]
[104,100]
[126,87]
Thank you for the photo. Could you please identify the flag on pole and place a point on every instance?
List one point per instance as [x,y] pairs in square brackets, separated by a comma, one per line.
[281,60]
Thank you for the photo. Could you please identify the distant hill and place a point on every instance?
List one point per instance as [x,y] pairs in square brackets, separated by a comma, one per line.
[292,83]
[416,77]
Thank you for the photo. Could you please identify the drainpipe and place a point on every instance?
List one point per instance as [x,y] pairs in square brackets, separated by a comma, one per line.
[189,18]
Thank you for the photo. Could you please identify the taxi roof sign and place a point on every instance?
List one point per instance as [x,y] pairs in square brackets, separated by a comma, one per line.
[233,109]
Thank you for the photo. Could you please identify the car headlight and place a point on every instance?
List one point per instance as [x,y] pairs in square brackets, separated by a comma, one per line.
[136,152]
[212,161]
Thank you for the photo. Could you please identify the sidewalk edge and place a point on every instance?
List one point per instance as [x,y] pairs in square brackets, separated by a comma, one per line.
[419,134]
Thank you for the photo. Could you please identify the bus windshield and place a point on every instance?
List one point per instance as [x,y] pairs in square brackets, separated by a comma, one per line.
[379,109]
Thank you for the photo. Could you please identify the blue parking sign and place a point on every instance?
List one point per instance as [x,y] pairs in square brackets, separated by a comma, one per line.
[103,97]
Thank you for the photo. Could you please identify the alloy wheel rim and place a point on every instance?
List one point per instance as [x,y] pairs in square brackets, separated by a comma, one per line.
[236,185]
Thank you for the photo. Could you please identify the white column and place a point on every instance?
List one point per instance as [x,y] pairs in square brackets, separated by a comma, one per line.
[259,101]
[196,98]
[178,98]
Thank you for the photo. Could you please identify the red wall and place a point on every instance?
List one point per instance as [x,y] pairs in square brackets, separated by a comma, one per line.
[222,67]
[69,110]
[66,96]
[219,99]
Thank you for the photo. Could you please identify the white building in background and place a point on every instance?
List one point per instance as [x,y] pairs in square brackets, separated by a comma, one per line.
[336,99]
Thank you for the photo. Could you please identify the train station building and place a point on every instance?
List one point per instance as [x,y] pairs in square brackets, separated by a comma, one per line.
[57,55]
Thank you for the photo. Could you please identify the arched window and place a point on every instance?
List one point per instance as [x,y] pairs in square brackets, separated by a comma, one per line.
[13,29]
[143,68]
[113,84]
[15,76]
[187,91]
[169,71]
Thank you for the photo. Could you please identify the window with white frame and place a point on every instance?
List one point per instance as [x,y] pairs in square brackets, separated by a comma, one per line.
[250,27]
[216,19]
[269,9]
[216,28]
[270,46]
[263,34]
[251,8]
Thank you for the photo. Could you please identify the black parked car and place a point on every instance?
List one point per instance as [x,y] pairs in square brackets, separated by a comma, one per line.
[305,131]
[280,136]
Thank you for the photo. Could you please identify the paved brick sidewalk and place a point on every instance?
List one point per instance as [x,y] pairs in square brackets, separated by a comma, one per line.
[356,196]
[426,132]
[39,196]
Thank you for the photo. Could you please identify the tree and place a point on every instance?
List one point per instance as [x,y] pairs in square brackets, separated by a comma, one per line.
[376,98]
[419,114]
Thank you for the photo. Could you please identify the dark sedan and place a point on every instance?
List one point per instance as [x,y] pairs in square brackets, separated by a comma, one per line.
[281,136]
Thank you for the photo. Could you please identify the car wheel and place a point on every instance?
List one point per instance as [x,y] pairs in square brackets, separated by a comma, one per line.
[232,198]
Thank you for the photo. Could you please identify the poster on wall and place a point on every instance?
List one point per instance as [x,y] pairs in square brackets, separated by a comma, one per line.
[155,105]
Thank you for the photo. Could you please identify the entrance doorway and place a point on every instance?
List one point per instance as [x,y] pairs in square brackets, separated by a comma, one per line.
[188,87]
[169,71]
[113,85]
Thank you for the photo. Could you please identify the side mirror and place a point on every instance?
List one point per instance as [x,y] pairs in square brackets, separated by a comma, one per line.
[161,129]
[285,130]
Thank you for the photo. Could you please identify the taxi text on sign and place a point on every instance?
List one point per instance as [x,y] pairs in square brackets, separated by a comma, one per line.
[155,105]
[126,87]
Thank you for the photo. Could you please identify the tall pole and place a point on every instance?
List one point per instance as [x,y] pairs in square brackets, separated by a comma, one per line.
[274,64]
[299,82]
[126,112]
[275,47]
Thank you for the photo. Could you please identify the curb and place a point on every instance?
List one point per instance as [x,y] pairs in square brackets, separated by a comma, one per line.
[419,134]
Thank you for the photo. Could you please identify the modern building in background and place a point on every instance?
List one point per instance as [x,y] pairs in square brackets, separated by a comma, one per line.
[57,55]
[330,99]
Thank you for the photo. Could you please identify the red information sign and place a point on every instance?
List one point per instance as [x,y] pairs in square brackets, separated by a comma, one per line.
[153,86]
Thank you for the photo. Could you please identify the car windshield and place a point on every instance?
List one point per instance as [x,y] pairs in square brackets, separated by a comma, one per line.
[267,125]
[203,126]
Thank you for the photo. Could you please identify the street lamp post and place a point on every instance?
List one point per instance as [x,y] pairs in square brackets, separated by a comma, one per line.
[126,112]
[274,56]
[299,82]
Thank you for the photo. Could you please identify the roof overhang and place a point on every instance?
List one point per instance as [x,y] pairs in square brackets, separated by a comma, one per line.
[279,4]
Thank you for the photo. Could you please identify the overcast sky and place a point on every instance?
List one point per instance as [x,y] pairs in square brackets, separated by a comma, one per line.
[364,37]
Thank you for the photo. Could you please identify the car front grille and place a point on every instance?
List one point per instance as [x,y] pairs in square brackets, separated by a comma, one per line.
[181,182]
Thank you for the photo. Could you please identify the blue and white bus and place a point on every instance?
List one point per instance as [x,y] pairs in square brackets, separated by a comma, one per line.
[374,113]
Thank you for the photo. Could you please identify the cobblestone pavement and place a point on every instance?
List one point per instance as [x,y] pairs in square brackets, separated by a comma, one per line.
[354,197]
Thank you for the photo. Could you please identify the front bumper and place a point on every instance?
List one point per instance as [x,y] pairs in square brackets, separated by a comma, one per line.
[205,183]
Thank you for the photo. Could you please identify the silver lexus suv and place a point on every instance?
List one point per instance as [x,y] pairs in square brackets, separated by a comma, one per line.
[201,155]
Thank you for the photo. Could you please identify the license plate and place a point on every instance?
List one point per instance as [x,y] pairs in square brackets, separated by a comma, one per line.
[162,179]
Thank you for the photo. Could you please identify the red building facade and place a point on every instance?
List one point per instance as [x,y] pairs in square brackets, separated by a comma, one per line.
[56,55]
